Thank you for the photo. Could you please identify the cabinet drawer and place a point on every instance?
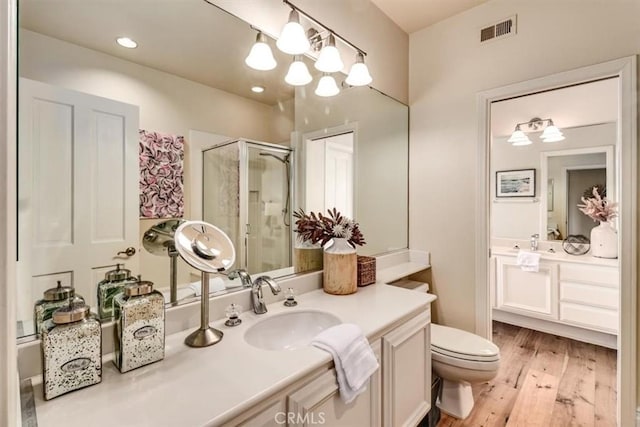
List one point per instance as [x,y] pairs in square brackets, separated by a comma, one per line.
[581,293]
[596,318]
[606,276]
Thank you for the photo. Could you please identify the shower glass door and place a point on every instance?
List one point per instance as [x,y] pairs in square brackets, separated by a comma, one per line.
[246,191]
[268,200]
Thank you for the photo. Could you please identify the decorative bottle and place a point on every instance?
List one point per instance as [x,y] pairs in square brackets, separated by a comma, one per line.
[139,333]
[53,299]
[113,284]
[71,350]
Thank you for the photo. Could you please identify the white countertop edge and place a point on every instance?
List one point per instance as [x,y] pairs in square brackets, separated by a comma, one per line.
[559,256]
[392,306]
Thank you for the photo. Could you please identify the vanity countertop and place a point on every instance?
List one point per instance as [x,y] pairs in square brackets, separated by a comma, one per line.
[212,385]
[557,256]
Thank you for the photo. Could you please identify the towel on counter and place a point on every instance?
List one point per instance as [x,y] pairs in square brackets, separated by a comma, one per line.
[352,355]
[528,261]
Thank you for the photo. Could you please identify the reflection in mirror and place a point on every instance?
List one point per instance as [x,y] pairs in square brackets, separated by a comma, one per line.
[573,174]
[587,116]
[78,202]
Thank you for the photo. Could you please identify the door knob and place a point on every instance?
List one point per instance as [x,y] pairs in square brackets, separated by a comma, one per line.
[130,251]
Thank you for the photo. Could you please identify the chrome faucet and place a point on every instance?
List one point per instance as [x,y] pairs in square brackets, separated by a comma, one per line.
[257,302]
[534,242]
[241,274]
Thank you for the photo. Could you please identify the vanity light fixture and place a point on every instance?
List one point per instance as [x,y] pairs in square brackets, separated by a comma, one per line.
[359,73]
[127,42]
[329,60]
[319,41]
[298,74]
[260,57]
[293,39]
[327,86]
[550,132]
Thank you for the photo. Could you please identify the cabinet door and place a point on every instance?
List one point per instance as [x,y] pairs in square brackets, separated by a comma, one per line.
[406,355]
[533,294]
[319,403]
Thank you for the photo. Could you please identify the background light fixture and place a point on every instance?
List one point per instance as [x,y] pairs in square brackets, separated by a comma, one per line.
[550,132]
[293,39]
[359,73]
[257,89]
[327,86]
[260,57]
[127,42]
[298,74]
[329,60]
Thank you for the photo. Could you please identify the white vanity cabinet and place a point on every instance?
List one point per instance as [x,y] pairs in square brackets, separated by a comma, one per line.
[406,367]
[589,296]
[318,402]
[399,393]
[529,293]
[581,295]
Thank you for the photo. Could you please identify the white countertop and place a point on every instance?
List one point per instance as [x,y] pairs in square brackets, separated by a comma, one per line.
[557,256]
[211,385]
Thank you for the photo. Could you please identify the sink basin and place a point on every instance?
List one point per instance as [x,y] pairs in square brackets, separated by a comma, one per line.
[289,331]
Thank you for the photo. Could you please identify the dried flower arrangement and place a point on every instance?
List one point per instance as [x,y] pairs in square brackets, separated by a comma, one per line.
[598,208]
[320,228]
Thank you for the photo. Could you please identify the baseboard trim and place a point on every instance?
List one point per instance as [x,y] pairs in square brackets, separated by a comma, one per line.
[555,328]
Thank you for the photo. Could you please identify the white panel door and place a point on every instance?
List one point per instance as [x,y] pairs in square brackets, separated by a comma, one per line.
[78,186]
[338,188]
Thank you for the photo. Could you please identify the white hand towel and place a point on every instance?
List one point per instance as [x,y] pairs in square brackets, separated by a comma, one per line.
[528,261]
[352,355]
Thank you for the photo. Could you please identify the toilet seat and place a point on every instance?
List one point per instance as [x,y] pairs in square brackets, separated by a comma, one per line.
[464,349]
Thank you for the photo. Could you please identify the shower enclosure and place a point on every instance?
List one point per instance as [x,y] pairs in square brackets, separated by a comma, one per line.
[246,191]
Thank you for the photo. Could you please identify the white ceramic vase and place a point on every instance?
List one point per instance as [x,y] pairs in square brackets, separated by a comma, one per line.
[340,267]
[604,241]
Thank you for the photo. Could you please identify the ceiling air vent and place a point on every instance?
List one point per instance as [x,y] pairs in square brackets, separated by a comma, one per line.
[504,28]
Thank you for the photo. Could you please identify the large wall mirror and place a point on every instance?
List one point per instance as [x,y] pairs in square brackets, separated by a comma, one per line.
[561,171]
[86,103]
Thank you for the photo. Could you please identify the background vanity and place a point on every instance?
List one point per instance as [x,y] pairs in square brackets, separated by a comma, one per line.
[571,295]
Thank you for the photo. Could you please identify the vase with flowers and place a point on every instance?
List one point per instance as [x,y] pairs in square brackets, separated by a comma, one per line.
[338,236]
[604,237]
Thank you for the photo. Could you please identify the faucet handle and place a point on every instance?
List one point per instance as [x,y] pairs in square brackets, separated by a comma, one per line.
[233,315]
[290,298]
[535,236]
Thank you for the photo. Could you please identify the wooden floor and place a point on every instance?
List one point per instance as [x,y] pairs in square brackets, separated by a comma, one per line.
[544,380]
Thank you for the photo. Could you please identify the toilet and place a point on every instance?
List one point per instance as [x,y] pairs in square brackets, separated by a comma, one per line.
[460,358]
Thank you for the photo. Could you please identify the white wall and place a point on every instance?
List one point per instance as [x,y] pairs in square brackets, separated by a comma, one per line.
[359,21]
[168,104]
[381,153]
[448,67]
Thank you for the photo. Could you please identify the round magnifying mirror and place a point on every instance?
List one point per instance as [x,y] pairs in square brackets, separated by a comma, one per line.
[204,246]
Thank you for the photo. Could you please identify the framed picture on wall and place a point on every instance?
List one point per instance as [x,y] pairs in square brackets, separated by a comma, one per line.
[516,183]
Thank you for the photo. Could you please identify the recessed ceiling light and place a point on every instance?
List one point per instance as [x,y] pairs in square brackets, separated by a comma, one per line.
[127,42]
[257,89]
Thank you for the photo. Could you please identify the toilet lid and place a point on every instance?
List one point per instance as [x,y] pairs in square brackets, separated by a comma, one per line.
[462,344]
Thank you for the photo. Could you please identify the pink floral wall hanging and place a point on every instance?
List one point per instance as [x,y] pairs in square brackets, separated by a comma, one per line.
[161,175]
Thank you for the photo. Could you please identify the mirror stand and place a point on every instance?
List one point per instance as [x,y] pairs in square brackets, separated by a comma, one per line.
[205,335]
